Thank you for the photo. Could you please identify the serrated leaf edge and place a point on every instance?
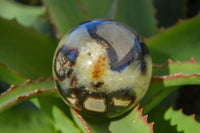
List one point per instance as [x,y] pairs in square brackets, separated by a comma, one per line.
[174,76]
[23,97]
[162,30]
[181,111]
[17,19]
[17,73]
[28,81]
[170,61]
[56,30]
[144,118]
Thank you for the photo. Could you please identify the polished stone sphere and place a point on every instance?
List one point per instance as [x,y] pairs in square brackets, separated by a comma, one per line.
[102,68]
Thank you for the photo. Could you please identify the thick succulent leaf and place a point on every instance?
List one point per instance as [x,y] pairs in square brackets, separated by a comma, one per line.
[60,119]
[95,9]
[16,94]
[178,43]
[161,125]
[185,123]
[139,14]
[43,104]
[67,14]
[167,78]
[168,12]
[25,119]
[24,50]
[63,123]
[176,79]
[81,123]
[9,76]
[59,103]
[46,104]
[26,15]
[162,86]
[133,122]
[169,68]
[64,15]
[89,125]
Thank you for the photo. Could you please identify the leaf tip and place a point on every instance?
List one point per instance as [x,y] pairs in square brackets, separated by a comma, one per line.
[151,126]
[192,60]
[28,81]
[17,73]
[162,29]
[193,115]
[37,91]
[12,86]
[180,20]
[169,61]
[41,79]
[18,97]
[51,77]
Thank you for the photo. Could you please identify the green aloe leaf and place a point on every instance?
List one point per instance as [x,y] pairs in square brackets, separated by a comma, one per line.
[169,68]
[67,14]
[176,79]
[46,103]
[63,123]
[25,118]
[184,123]
[24,50]
[178,43]
[139,14]
[56,110]
[29,89]
[64,14]
[95,9]
[26,15]
[167,77]
[81,123]
[9,76]
[161,87]
[133,122]
[161,125]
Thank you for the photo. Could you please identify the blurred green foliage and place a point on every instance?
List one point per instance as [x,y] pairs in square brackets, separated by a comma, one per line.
[30,31]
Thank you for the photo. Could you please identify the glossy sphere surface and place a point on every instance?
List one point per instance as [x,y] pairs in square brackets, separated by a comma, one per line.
[102,68]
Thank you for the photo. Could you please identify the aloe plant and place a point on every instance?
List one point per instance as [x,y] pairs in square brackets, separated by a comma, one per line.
[29,101]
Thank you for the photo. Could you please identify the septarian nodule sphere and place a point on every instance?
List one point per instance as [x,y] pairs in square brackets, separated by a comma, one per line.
[102,68]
